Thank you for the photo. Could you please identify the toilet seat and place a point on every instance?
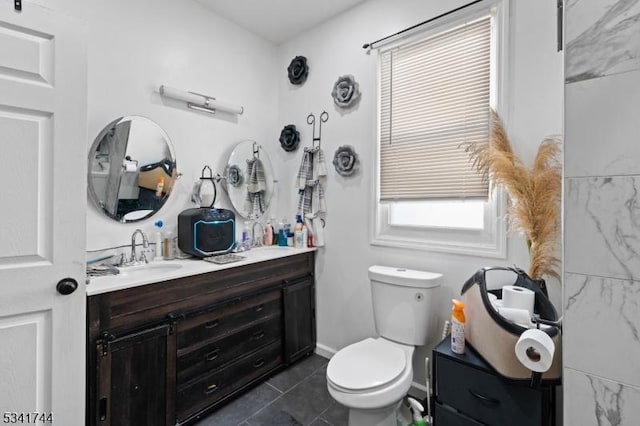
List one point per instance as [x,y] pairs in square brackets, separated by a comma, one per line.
[366,366]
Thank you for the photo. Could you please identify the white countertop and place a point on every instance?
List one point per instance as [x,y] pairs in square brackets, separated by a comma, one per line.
[163,270]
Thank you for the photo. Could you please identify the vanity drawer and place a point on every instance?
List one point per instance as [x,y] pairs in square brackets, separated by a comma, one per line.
[226,319]
[485,397]
[445,416]
[228,348]
[204,392]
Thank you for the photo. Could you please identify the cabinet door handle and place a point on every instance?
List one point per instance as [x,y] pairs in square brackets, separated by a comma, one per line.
[211,324]
[259,363]
[212,355]
[485,399]
[211,389]
[102,409]
[259,307]
[257,335]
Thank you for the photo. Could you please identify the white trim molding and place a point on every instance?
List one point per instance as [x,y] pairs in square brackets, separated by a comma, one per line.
[491,241]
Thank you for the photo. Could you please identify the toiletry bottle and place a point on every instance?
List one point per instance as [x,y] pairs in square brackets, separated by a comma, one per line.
[416,411]
[305,236]
[288,233]
[167,245]
[457,327]
[267,239]
[276,231]
[246,235]
[158,238]
[282,235]
[297,233]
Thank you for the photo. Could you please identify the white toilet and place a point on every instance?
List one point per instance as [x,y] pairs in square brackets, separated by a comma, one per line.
[371,377]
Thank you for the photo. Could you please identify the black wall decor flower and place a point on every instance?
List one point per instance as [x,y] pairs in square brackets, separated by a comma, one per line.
[298,70]
[345,160]
[345,91]
[235,177]
[289,138]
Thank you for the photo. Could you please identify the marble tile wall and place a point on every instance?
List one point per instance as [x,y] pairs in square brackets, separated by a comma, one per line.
[601,343]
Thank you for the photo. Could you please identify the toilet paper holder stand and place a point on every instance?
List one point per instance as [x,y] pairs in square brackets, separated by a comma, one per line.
[537,321]
[536,377]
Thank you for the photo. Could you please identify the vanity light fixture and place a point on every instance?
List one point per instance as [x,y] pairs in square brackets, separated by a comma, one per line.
[200,102]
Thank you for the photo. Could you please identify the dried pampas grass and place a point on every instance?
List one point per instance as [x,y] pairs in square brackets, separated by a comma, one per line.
[534,193]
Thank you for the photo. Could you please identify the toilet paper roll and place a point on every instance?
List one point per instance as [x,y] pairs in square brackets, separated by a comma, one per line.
[518,316]
[535,349]
[130,166]
[518,298]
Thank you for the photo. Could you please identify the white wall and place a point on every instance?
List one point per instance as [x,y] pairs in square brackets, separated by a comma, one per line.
[134,47]
[334,49]
[75,8]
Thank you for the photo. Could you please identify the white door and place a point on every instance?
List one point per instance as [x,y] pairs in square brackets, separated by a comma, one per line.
[42,215]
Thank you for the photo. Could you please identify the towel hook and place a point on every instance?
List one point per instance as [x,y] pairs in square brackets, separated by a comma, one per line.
[211,179]
[311,120]
[256,150]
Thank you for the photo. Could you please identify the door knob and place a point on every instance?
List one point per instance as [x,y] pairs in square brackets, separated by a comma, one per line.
[66,286]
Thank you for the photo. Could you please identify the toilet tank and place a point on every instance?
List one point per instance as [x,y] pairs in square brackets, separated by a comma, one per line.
[403,303]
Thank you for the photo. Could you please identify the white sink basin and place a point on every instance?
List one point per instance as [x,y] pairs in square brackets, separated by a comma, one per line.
[149,269]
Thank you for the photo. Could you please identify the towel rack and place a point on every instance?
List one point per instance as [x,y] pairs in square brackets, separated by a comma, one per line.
[311,120]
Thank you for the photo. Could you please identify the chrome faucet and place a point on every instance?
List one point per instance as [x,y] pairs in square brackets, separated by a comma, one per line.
[145,244]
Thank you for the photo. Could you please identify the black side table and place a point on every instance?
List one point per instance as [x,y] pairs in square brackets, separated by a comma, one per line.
[469,392]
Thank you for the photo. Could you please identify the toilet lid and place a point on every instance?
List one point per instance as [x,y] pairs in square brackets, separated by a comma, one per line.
[366,364]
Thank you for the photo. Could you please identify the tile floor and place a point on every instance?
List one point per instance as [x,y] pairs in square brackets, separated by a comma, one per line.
[296,396]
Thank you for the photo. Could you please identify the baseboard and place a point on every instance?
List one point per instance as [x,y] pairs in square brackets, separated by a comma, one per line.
[325,351]
[418,390]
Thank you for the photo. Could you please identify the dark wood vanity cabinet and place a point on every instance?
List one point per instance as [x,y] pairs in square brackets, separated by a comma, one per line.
[221,350]
[299,319]
[169,353]
[135,375]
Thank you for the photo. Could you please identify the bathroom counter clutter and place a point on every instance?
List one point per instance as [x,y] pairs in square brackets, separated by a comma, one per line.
[162,270]
[467,392]
[169,344]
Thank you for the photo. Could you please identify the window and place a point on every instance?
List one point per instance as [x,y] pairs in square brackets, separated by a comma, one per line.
[436,90]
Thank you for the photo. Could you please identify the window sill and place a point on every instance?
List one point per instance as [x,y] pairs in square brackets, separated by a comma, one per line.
[490,242]
[496,249]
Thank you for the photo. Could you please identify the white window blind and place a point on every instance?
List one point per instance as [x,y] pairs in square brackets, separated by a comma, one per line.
[434,100]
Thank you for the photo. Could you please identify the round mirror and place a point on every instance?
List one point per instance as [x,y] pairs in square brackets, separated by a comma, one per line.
[249,179]
[132,169]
